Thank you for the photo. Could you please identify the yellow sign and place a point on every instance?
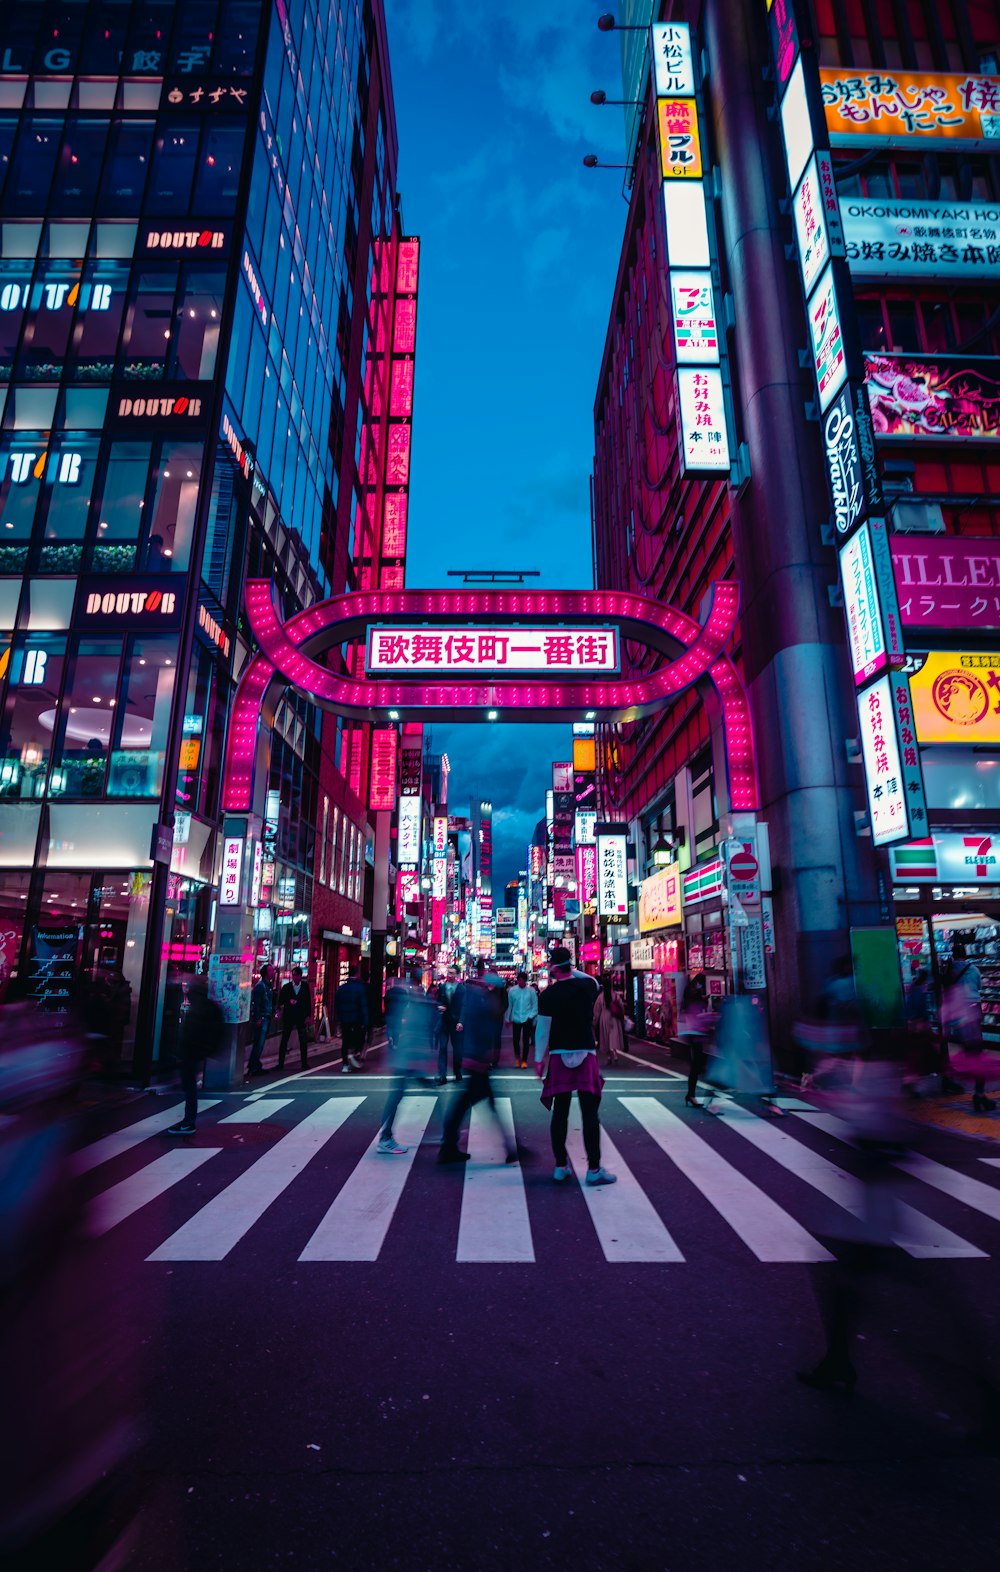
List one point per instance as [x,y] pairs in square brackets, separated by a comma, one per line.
[680,144]
[189,754]
[660,900]
[909,927]
[956,698]
[910,106]
[584,754]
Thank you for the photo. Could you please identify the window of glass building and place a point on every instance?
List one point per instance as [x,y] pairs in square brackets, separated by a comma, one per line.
[32,165]
[174,162]
[69,475]
[127,166]
[236,38]
[218,175]
[21,469]
[46,338]
[148,324]
[120,508]
[171,508]
[88,714]
[199,314]
[15,291]
[79,168]
[142,718]
[35,677]
[98,320]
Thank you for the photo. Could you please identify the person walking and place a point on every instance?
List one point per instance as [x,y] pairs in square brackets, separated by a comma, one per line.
[609,1021]
[566,1060]
[350,1013]
[201,1032]
[411,1026]
[483,1010]
[962,1019]
[296,1008]
[694,1027]
[522,1012]
[449,1001]
[261,1011]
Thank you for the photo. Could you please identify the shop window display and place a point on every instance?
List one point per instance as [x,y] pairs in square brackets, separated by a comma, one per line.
[171,508]
[34,680]
[87,721]
[14,890]
[142,719]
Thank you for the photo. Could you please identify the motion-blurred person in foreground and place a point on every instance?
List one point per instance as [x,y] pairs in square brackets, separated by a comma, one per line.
[484,1003]
[449,999]
[566,1059]
[67,1336]
[962,1023]
[350,1013]
[411,1029]
[740,1056]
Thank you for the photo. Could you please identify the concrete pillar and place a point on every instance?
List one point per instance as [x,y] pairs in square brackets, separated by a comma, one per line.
[794,651]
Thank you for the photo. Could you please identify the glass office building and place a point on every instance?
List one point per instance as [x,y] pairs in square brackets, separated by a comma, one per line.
[192,197]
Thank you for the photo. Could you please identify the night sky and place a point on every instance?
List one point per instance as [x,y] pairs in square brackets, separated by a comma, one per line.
[518,264]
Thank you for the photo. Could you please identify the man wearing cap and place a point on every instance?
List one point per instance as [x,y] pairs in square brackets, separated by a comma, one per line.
[566,1056]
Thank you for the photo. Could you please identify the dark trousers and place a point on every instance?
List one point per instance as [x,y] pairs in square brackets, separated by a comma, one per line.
[696,1064]
[189,1085]
[259,1039]
[524,1032]
[352,1039]
[590,1103]
[286,1031]
[446,1035]
[475,1089]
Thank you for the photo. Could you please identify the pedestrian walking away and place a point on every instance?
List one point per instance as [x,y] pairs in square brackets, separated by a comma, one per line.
[522,1012]
[296,1010]
[483,1009]
[449,1001]
[201,1035]
[609,1021]
[695,1025]
[350,1014]
[566,1059]
[962,1022]
[261,1011]
[411,1028]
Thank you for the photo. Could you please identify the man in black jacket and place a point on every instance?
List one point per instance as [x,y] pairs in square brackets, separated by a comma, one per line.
[350,1013]
[296,1008]
[202,1026]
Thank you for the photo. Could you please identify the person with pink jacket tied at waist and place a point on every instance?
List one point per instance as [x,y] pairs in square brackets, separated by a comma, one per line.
[566,1059]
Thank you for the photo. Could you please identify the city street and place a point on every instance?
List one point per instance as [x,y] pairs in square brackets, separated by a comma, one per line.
[360,1359]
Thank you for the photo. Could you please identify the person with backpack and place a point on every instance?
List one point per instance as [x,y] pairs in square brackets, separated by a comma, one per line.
[484,1005]
[201,1035]
[609,1021]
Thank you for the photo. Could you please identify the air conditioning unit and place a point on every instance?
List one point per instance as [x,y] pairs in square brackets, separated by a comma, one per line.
[910,516]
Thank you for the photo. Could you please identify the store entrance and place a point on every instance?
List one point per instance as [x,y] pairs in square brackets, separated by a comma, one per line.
[926,931]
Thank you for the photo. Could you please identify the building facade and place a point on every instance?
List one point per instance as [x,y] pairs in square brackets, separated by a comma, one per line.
[896,92]
[197,203]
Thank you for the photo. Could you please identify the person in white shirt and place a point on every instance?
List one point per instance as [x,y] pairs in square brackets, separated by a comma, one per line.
[522,1012]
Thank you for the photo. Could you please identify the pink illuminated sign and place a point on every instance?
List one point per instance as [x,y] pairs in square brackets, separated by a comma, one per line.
[407,266]
[468,649]
[397,469]
[945,581]
[382,790]
[401,392]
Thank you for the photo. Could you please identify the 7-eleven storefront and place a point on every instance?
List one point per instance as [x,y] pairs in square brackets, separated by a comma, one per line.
[945,886]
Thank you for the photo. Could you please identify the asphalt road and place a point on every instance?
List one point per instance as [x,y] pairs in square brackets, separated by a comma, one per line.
[524,1375]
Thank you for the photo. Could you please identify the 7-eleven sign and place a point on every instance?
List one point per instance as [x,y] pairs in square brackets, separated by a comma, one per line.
[978,854]
[947,858]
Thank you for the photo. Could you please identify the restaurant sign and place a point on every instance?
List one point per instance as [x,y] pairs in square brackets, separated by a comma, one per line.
[956,697]
[899,239]
[660,900]
[930,398]
[906,108]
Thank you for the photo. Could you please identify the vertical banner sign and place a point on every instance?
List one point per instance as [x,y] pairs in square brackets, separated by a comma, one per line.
[612,871]
[873,622]
[382,788]
[230,890]
[395,502]
[703,412]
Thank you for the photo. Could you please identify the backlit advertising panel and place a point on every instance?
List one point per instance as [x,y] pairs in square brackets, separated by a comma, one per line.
[817,219]
[861,602]
[673,63]
[695,326]
[899,239]
[562,775]
[704,436]
[956,698]
[883,765]
[586,872]
[920,396]
[686,224]
[829,357]
[660,900]
[680,142]
[945,581]
[909,108]
[382,788]
[408,846]
[612,871]
[796,125]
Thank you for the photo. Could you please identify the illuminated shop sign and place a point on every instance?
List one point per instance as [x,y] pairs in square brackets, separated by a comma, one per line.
[206,95]
[680,143]
[183,242]
[817,218]
[796,125]
[660,900]
[947,582]
[696,328]
[612,871]
[495,649]
[887,239]
[583,828]
[160,408]
[234,442]
[133,602]
[883,765]
[253,284]
[49,295]
[440,835]
[585,859]
[411,772]
[851,463]
[562,775]
[439,889]
[686,224]
[232,870]
[829,357]
[213,630]
[704,435]
[906,108]
[408,845]
[703,882]
[956,698]
[673,64]
[861,602]
[929,398]
[949,858]
[28,464]
[784,38]
[382,789]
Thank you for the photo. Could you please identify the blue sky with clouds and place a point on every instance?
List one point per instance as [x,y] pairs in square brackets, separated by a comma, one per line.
[518,263]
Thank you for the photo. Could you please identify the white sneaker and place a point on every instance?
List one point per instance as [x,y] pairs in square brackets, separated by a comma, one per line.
[601,1176]
[390,1147]
[345,1069]
[354,1061]
[560,1175]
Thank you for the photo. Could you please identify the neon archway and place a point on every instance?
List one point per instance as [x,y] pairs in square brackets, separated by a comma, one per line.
[288,650]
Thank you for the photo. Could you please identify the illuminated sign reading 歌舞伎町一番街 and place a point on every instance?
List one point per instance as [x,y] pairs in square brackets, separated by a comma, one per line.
[469,649]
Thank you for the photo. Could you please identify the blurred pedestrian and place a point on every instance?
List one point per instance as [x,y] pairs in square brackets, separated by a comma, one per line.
[450,995]
[350,1013]
[962,1018]
[609,1021]
[566,1059]
[411,1027]
[522,1012]
[740,1062]
[296,1011]
[201,1035]
[694,1027]
[261,1011]
[484,1003]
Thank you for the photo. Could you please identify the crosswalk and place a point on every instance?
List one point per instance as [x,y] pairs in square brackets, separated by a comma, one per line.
[670,1170]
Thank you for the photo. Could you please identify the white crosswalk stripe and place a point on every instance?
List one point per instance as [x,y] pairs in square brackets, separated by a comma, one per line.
[919,1236]
[133,1135]
[221,1224]
[761,1223]
[494,1224]
[356,1224]
[497,1199]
